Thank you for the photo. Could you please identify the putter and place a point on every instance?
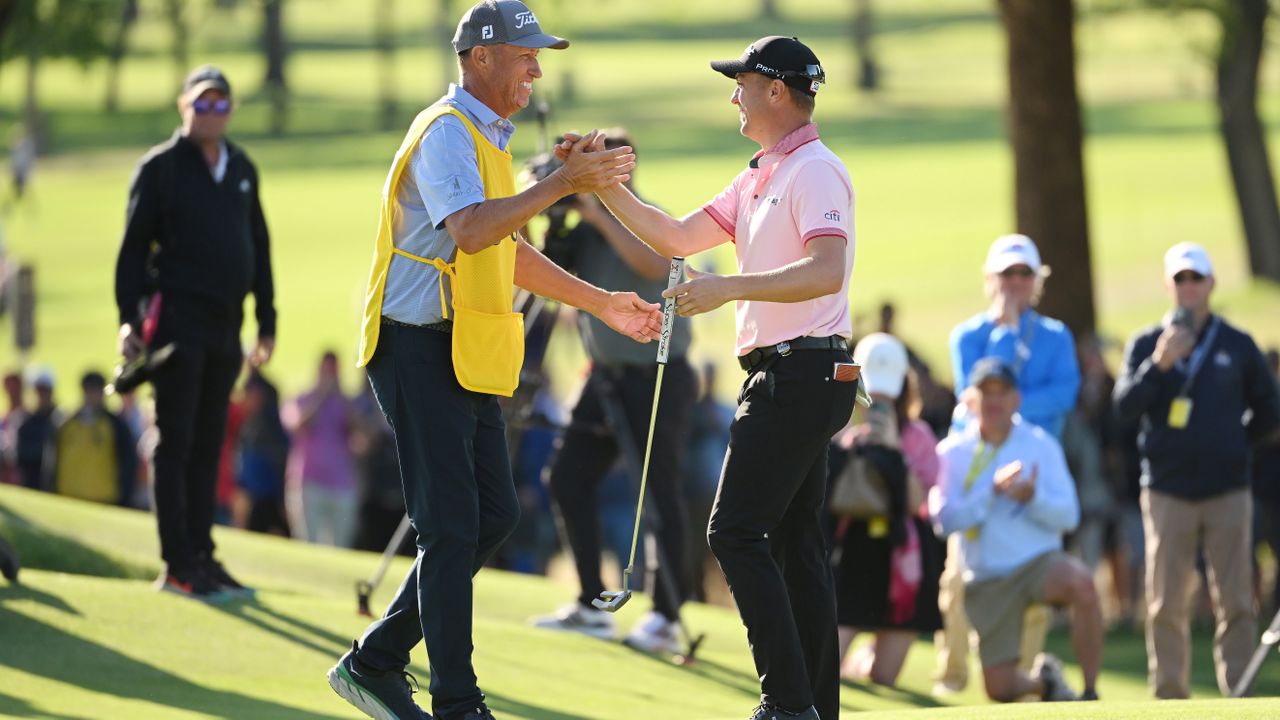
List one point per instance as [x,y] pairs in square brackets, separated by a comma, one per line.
[613,601]
[364,588]
[1270,639]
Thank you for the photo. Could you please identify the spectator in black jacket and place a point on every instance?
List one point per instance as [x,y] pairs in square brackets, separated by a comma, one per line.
[1189,383]
[195,243]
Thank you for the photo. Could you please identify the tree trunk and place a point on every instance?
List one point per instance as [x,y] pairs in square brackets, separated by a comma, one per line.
[33,125]
[115,56]
[384,34]
[181,41]
[1243,28]
[1047,137]
[769,9]
[868,70]
[274,51]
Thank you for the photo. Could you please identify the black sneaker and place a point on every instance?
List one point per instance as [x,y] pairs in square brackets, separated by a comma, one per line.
[380,695]
[189,582]
[8,562]
[766,711]
[1089,695]
[222,579]
[480,713]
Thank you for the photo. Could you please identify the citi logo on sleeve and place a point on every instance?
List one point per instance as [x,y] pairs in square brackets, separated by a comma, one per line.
[834,216]
[525,18]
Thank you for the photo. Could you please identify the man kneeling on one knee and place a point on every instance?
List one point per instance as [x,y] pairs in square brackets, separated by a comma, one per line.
[1003,484]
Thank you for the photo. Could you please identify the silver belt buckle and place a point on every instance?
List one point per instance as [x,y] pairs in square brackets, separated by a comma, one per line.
[784,348]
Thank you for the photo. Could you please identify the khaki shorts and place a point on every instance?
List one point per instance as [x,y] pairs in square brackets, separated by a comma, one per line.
[996,607]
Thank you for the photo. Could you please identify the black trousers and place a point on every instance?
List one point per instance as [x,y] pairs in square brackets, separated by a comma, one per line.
[460,498]
[612,417]
[766,531]
[192,391]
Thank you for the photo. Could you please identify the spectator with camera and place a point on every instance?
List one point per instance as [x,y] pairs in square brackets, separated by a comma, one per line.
[611,419]
[1005,492]
[1190,382]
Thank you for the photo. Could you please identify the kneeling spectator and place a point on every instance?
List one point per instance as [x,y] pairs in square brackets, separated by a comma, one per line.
[1004,485]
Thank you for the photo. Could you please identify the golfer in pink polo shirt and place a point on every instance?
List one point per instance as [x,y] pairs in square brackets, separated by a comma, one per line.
[790,217]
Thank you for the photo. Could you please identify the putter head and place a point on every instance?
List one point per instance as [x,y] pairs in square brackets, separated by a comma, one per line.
[611,601]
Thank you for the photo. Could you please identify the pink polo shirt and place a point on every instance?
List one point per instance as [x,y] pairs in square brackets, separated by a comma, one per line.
[796,191]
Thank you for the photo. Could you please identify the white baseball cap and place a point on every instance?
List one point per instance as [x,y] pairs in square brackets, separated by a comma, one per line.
[1187,256]
[883,358]
[1010,250]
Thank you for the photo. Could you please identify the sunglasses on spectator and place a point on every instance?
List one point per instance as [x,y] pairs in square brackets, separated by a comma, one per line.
[1019,271]
[204,106]
[1187,276]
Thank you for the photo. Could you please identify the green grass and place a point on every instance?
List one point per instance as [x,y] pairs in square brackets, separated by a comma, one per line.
[930,164]
[85,636]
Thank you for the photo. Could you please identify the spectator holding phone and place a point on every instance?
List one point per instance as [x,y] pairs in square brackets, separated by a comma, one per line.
[1189,382]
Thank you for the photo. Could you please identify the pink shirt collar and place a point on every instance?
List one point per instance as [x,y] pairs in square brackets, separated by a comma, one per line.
[800,136]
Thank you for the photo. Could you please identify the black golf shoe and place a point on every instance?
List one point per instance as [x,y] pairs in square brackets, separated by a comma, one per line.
[222,579]
[380,695]
[480,713]
[765,711]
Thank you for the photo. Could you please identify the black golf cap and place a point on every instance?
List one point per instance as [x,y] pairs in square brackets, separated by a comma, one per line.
[992,368]
[205,77]
[510,22]
[778,56]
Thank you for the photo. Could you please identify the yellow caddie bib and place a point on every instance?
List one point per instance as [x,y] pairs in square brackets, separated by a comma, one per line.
[488,338]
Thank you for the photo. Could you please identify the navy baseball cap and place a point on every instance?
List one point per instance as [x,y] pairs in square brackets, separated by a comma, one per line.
[992,368]
[510,22]
[778,56]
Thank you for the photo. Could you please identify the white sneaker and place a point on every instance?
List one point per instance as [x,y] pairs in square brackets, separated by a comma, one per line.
[655,634]
[577,618]
[1049,670]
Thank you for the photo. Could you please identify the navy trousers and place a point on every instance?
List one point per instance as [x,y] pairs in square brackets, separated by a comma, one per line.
[460,498]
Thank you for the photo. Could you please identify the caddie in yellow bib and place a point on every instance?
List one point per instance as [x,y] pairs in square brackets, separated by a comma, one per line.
[440,342]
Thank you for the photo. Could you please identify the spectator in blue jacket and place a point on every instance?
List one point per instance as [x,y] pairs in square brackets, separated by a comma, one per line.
[1190,382]
[1040,350]
[1042,355]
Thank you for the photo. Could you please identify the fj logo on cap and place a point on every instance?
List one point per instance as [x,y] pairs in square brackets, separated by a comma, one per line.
[525,18]
[486,32]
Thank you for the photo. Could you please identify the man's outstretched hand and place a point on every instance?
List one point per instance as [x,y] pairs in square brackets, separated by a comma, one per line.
[626,313]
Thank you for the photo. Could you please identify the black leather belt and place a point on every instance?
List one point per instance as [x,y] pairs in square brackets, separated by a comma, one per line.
[445,326]
[753,359]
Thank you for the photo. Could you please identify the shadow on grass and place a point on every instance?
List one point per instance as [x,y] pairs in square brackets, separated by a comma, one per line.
[10,593]
[287,627]
[70,659]
[43,549]
[18,707]
[711,671]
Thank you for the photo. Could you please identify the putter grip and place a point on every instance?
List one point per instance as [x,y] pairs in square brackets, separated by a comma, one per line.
[669,309]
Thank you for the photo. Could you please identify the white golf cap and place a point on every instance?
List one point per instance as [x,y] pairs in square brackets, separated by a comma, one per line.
[1010,250]
[883,358]
[1187,256]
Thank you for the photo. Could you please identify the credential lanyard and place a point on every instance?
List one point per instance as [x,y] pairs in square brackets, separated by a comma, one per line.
[983,456]
[1193,364]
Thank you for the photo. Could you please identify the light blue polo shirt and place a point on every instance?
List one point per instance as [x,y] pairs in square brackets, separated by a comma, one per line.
[441,178]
